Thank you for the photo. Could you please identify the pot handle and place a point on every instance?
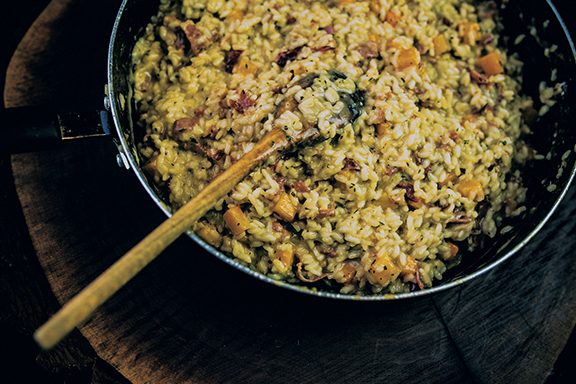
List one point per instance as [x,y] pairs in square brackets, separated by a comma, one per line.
[27,129]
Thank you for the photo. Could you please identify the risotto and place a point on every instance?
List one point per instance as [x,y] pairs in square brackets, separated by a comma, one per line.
[420,112]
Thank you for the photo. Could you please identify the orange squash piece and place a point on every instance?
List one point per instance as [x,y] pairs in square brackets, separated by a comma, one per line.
[285,208]
[236,220]
[441,45]
[407,58]
[286,256]
[245,67]
[383,271]
[393,18]
[491,64]
[471,189]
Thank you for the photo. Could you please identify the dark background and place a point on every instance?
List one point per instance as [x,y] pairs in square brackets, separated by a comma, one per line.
[22,363]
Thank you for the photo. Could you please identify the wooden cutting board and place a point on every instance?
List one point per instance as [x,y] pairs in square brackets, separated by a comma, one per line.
[189,318]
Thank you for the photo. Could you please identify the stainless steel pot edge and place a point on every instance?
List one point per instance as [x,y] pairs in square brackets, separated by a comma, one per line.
[139,174]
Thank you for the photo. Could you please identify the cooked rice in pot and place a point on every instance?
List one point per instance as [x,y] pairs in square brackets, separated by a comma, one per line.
[385,204]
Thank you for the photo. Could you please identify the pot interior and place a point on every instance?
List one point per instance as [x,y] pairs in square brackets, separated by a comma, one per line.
[548,54]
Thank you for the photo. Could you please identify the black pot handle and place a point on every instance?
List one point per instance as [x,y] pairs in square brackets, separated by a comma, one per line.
[29,129]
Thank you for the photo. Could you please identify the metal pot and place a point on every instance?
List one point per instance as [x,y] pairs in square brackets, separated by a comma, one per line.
[547,180]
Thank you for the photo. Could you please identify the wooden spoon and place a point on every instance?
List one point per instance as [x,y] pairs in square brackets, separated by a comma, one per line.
[81,306]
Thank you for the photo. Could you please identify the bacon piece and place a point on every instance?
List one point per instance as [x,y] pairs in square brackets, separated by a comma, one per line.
[215,154]
[211,153]
[243,103]
[412,200]
[325,48]
[231,58]
[478,78]
[286,56]
[281,180]
[322,213]
[194,36]
[368,50]
[300,187]
[184,124]
[351,164]
[330,252]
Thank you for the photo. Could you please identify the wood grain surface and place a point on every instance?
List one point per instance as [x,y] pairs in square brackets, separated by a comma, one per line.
[190,318]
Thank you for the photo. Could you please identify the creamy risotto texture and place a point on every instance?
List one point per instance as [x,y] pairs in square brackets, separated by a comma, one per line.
[421,116]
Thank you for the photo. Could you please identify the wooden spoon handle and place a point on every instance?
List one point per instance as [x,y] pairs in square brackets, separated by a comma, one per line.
[81,306]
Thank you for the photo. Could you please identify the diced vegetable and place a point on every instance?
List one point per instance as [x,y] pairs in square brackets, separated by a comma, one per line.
[236,220]
[345,274]
[345,2]
[491,64]
[368,50]
[471,189]
[210,235]
[392,18]
[286,257]
[470,32]
[383,128]
[412,200]
[245,66]
[231,59]
[300,187]
[383,271]
[407,58]
[441,45]
[285,208]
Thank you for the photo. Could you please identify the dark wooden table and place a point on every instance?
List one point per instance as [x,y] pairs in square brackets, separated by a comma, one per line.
[68,213]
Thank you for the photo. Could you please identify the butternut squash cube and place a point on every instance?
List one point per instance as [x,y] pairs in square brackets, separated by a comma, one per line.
[236,220]
[345,274]
[383,128]
[491,64]
[286,257]
[407,58]
[285,208]
[383,271]
[392,18]
[245,67]
[441,45]
[471,189]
